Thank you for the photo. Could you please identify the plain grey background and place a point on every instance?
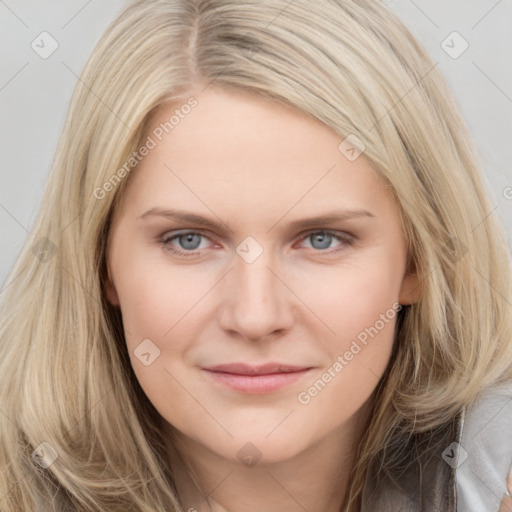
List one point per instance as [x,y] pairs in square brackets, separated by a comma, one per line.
[35,91]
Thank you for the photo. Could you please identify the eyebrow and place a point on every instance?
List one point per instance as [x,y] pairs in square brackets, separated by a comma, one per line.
[193,218]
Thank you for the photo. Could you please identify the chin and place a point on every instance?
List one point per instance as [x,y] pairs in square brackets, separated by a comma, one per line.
[254,450]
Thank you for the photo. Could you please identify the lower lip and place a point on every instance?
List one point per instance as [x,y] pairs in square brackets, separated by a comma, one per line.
[257,383]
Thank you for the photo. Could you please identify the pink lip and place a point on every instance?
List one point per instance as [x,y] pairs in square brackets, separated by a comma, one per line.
[256,379]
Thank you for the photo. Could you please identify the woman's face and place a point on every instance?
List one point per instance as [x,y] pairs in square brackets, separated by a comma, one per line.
[233,246]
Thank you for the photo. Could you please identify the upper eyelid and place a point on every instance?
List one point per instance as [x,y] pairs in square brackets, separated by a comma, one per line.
[169,235]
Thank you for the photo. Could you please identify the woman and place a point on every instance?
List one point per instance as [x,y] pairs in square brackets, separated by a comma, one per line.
[264,276]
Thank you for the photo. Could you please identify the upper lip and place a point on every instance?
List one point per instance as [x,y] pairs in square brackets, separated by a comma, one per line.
[264,369]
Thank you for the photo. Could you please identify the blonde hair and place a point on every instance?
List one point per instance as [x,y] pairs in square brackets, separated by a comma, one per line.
[66,376]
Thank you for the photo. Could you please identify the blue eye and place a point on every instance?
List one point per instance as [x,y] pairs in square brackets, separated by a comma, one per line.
[189,242]
[321,241]
[323,238]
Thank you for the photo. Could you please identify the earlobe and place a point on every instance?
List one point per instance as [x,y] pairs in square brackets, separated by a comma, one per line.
[410,292]
[111,291]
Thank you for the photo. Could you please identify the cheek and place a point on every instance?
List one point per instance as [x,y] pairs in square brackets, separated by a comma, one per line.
[157,296]
[160,309]
[363,313]
[351,297]
[360,306]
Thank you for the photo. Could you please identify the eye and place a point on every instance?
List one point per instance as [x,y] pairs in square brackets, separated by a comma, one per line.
[322,240]
[187,243]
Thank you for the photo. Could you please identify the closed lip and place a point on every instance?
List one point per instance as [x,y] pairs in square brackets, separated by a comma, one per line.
[254,370]
[256,379]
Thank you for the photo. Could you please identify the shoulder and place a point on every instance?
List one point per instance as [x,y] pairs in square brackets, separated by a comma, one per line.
[485,451]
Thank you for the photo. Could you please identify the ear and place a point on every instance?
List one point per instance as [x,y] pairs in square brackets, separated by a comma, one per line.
[410,292]
[111,291]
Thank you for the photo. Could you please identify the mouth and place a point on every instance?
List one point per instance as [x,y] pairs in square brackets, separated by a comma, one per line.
[261,379]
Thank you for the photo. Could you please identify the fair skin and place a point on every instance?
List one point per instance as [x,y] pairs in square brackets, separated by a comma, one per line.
[255,167]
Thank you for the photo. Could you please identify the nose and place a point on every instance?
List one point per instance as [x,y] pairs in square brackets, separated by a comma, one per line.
[256,303]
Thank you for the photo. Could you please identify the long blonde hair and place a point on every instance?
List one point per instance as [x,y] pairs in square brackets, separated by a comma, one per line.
[67,385]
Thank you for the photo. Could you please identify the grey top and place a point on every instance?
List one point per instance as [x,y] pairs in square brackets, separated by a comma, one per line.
[487,444]
[464,468]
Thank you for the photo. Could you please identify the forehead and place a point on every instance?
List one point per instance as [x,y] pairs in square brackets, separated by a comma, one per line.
[235,151]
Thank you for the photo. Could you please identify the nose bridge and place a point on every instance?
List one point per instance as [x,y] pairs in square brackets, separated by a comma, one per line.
[255,304]
[255,283]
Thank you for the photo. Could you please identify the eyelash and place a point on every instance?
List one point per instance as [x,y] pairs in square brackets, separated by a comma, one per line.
[346,239]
